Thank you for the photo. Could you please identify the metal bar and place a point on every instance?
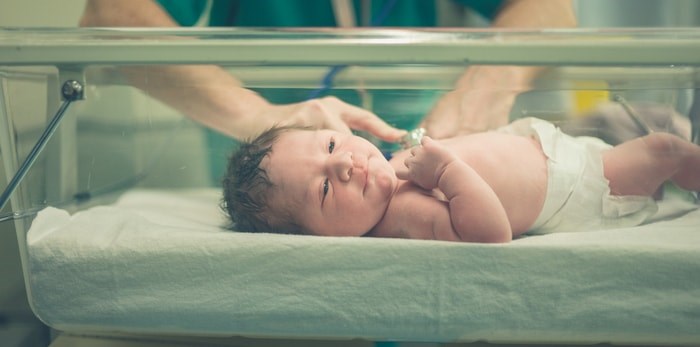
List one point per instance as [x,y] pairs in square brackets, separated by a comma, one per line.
[351,47]
[633,114]
[694,116]
[279,52]
[71,91]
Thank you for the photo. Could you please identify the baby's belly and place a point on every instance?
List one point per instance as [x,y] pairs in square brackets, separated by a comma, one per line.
[516,169]
[513,166]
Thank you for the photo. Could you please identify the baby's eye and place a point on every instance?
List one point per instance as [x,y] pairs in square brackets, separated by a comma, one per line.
[331,146]
[325,187]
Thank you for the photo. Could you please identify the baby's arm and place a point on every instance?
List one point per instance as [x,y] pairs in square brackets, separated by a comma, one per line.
[476,213]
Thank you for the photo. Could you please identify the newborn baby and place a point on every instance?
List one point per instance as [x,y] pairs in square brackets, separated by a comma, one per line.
[484,187]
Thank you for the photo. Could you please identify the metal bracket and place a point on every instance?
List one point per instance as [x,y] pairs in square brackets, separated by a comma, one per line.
[71,90]
[74,86]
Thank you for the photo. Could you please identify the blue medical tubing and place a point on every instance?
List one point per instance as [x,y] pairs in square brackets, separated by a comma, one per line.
[327,80]
[388,6]
[71,91]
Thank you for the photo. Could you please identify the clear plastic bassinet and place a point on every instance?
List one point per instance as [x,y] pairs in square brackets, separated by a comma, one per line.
[76,134]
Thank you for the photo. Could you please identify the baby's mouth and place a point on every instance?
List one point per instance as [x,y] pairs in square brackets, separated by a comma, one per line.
[366,173]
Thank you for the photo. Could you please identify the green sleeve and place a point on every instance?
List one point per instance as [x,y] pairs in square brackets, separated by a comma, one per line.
[311,13]
[487,8]
[185,13]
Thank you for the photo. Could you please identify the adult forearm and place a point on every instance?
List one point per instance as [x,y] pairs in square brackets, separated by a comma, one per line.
[205,93]
[484,94]
[521,14]
[532,14]
[125,13]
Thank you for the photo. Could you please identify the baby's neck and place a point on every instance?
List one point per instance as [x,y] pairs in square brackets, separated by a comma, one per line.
[386,220]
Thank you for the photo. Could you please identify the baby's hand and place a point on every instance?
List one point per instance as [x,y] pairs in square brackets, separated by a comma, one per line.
[426,163]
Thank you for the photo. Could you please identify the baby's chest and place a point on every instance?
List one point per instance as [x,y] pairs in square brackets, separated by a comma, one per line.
[415,215]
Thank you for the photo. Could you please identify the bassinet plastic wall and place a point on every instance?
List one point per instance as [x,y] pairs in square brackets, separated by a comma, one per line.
[27,95]
[123,131]
[642,13]
[112,134]
[24,92]
[18,326]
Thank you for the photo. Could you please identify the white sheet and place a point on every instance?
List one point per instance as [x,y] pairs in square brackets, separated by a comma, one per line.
[157,262]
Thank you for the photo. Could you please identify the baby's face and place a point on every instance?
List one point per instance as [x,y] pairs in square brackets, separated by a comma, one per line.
[336,184]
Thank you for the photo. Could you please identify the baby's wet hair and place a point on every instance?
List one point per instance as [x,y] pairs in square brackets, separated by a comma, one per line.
[247,189]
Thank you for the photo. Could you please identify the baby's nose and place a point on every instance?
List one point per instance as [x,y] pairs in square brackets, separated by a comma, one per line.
[341,166]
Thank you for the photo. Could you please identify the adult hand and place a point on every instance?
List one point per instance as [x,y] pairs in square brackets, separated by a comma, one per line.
[481,101]
[327,112]
[484,95]
[464,111]
[215,98]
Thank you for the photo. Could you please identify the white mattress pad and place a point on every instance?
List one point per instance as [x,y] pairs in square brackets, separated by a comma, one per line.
[159,262]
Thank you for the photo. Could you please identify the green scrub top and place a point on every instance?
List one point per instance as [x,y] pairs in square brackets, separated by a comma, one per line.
[311,13]
[403,109]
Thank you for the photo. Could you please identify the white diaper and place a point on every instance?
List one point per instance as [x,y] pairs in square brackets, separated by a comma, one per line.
[578,196]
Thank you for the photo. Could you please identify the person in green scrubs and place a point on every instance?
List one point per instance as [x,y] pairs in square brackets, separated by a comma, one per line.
[403,108]
[313,13]
[481,99]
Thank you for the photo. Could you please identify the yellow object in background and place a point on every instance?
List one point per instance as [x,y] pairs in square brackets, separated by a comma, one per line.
[589,94]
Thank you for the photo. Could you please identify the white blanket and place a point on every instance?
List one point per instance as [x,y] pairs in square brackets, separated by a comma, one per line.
[158,262]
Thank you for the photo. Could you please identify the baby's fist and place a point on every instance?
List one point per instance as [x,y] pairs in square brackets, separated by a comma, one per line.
[427,163]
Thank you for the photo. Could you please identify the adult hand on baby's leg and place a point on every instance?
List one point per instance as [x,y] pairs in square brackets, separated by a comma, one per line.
[427,163]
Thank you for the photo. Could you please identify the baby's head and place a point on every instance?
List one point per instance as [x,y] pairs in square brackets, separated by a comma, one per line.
[299,180]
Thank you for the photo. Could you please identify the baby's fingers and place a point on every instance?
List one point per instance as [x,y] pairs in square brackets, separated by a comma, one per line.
[416,152]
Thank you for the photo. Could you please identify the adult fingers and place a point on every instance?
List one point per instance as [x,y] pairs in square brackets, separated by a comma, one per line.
[372,124]
[321,115]
[360,119]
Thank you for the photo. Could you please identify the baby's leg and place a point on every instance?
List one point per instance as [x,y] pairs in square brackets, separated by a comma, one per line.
[642,165]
